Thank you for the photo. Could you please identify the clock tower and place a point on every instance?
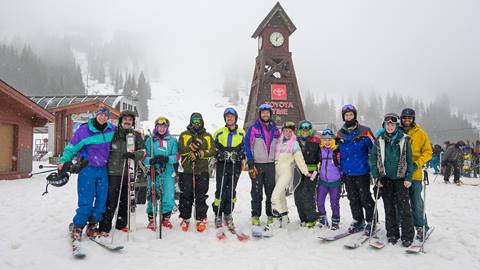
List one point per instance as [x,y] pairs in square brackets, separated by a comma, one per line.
[274,81]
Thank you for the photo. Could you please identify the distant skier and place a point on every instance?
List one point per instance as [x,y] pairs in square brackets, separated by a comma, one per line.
[453,160]
[391,164]
[195,146]
[92,141]
[116,163]
[164,157]
[354,144]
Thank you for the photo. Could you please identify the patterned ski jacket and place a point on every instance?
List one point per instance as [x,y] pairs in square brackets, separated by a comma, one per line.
[354,146]
[261,142]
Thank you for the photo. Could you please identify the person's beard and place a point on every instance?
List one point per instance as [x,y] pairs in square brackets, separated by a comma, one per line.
[350,123]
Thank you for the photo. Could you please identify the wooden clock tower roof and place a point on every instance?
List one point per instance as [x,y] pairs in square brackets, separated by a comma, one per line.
[275,16]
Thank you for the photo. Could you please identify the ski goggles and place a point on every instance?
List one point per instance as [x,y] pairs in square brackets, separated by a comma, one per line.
[289,124]
[162,121]
[305,125]
[391,119]
[197,120]
[230,111]
[348,107]
[264,107]
[104,111]
[328,133]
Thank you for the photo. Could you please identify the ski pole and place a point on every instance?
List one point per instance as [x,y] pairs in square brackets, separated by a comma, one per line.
[221,188]
[46,166]
[375,210]
[160,202]
[153,195]
[32,174]
[232,186]
[115,216]
[194,190]
[425,184]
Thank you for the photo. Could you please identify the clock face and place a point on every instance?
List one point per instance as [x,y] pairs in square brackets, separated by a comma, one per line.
[260,42]
[276,38]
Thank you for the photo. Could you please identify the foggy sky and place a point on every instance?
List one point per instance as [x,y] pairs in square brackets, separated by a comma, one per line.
[418,48]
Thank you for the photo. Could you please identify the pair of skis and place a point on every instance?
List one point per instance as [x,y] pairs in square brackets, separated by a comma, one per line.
[416,247]
[153,190]
[77,248]
[239,235]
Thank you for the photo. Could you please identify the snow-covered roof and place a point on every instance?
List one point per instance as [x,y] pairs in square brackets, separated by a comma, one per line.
[48,102]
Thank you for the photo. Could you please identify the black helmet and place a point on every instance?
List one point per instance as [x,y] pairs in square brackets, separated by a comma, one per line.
[349,108]
[461,143]
[56,179]
[289,124]
[126,113]
[408,112]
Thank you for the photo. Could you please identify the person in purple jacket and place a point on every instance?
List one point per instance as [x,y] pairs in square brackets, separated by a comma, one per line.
[329,180]
[91,142]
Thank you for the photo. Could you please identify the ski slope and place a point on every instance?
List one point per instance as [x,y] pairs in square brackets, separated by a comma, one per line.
[34,236]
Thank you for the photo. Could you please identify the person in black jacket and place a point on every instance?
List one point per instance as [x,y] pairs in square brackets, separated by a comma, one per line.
[453,159]
[305,192]
[117,168]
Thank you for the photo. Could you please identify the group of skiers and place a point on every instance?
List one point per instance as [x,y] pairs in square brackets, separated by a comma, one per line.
[351,157]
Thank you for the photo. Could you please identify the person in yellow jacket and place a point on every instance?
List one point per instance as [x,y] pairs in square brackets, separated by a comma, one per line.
[229,141]
[421,154]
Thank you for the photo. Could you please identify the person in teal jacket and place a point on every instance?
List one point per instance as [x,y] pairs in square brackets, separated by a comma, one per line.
[165,155]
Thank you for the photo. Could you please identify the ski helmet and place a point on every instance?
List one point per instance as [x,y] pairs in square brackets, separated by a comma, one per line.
[305,125]
[289,124]
[56,179]
[391,118]
[162,121]
[265,107]
[126,113]
[349,108]
[231,111]
[408,112]
[328,134]
[102,110]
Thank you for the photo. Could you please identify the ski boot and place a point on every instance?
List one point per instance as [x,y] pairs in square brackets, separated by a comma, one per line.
[151,222]
[356,226]
[392,240]
[335,224]
[322,222]
[92,229]
[218,222]
[369,228]
[255,221]
[103,234]
[201,225]
[184,224]
[310,224]
[270,220]
[228,221]
[124,229]
[166,222]
[75,232]
[406,243]
[419,236]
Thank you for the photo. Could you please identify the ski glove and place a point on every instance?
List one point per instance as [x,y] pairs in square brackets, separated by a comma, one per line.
[195,145]
[159,159]
[128,155]
[196,155]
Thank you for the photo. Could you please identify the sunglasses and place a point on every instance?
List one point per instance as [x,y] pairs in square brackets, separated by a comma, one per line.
[305,126]
[197,120]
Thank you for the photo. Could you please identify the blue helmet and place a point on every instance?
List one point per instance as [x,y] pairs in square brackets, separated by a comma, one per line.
[231,111]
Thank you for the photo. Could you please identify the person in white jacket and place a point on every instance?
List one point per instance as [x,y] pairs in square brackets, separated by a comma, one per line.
[288,153]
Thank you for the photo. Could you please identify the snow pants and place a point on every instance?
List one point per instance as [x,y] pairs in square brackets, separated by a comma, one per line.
[395,197]
[334,193]
[114,182]
[168,191]
[193,193]
[283,179]
[449,166]
[265,181]
[92,191]
[358,193]
[225,203]
[305,199]
[416,201]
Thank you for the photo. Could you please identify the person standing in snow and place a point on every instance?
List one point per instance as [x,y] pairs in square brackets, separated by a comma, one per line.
[165,149]
[437,150]
[117,168]
[195,146]
[354,144]
[305,192]
[92,141]
[453,159]
[260,144]
[229,142]
[329,180]
[421,154]
[287,154]
[392,166]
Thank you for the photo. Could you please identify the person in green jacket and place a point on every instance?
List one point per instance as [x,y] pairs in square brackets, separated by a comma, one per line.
[392,166]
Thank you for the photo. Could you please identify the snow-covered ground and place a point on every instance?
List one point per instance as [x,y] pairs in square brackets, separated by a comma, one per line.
[34,236]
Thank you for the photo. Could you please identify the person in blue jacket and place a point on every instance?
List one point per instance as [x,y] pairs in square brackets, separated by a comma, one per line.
[354,143]
[164,156]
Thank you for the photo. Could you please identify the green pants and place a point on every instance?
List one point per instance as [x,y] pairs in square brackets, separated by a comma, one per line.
[416,202]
